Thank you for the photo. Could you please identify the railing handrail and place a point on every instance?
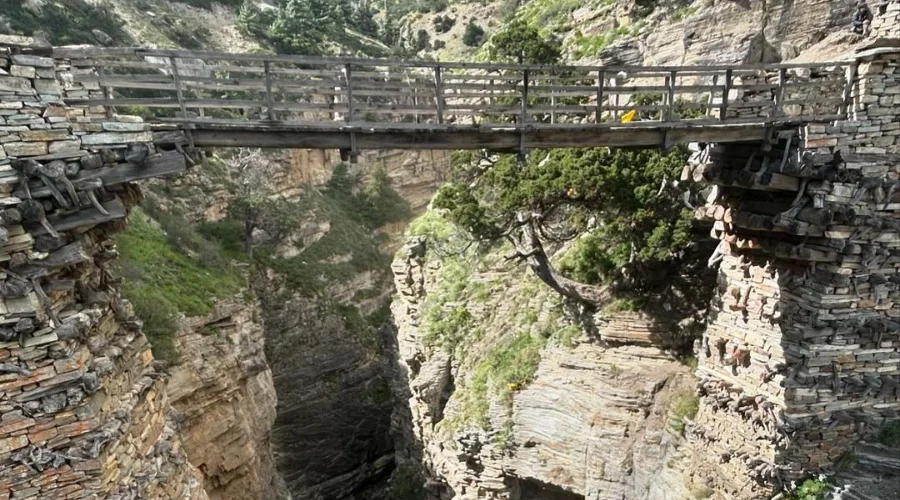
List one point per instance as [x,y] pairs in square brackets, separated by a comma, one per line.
[95,52]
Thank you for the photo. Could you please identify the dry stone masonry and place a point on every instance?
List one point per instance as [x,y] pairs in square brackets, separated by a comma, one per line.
[801,359]
[83,411]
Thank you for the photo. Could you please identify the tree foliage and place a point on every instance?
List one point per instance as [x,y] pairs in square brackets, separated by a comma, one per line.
[474,35]
[305,27]
[523,43]
[627,231]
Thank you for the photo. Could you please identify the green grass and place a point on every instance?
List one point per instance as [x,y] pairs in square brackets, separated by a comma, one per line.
[552,14]
[163,280]
[684,12]
[587,46]
[433,226]
[812,489]
[684,405]
[507,368]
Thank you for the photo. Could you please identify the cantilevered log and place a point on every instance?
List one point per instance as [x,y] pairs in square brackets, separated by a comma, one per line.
[167,163]
[762,181]
[86,217]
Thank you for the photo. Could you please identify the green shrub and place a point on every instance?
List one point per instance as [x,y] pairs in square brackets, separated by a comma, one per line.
[474,35]
[160,319]
[684,405]
[68,22]
[890,434]
[407,483]
[812,489]
[164,277]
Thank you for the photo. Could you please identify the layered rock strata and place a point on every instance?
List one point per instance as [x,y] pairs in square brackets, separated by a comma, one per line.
[224,396]
[593,422]
[801,359]
[83,411]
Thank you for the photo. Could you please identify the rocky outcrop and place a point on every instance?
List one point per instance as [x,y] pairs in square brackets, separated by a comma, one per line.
[713,32]
[225,398]
[84,410]
[592,423]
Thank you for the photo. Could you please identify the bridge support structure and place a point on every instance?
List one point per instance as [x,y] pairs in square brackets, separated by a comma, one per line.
[83,410]
[801,358]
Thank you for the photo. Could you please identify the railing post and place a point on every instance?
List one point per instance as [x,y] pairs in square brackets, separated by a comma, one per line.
[848,90]
[671,100]
[348,74]
[779,94]
[178,89]
[600,76]
[723,109]
[268,67]
[525,76]
[107,92]
[439,94]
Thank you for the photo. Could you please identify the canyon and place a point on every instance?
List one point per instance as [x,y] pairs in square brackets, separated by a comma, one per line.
[301,384]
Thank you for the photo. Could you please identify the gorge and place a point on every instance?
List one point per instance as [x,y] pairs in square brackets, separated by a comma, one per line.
[262,280]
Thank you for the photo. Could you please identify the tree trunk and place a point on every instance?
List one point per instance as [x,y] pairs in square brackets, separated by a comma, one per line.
[529,246]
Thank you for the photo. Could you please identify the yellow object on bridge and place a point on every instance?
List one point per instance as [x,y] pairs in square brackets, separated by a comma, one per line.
[627,117]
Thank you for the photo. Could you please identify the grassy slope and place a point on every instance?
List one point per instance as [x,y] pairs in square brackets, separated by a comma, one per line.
[163,280]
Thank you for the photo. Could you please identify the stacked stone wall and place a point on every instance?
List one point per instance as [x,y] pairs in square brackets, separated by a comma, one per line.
[83,411]
[801,359]
[886,22]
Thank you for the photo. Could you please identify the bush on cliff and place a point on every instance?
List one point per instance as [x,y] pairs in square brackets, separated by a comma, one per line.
[164,277]
[627,231]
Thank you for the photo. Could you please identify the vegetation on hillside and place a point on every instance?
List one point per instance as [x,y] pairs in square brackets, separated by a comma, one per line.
[169,270]
[62,23]
[626,230]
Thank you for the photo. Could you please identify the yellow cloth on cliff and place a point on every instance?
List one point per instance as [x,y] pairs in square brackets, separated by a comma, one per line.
[627,117]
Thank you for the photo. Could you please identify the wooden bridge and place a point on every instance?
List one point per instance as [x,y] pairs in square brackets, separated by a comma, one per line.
[352,104]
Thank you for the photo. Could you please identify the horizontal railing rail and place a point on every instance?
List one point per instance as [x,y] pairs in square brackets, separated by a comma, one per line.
[196,86]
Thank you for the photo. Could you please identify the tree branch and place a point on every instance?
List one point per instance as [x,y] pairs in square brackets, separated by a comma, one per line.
[529,247]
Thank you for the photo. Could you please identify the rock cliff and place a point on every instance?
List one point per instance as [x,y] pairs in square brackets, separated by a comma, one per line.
[225,399]
[510,399]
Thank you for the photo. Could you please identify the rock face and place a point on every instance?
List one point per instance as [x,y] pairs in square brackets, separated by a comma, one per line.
[224,393]
[331,434]
[714,32]
[84,411]
[591,424]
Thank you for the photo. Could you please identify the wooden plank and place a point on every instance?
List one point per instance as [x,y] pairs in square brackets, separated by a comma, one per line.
[848,89]
[178,91]
[501,138]
[439,94]
[723,111]
[779,94]
[269,101]
[209,103]
[670,102]
[348,74]
[601,75]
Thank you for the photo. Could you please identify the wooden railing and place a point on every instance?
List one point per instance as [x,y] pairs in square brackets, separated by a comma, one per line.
[197,86]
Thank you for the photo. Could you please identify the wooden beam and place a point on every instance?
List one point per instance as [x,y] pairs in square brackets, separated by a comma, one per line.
[166,163]
[86,217]
[472,138]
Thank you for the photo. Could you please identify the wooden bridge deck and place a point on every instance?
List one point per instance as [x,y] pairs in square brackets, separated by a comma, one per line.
[352,104]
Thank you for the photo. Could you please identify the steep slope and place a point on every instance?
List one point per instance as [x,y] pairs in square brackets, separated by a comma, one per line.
[509,398]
